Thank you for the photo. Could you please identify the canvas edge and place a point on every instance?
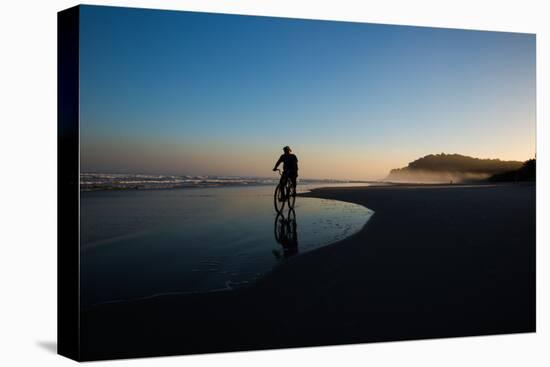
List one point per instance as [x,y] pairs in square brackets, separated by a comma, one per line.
[68,162]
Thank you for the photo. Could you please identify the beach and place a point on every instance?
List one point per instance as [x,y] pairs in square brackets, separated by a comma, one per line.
[433,261]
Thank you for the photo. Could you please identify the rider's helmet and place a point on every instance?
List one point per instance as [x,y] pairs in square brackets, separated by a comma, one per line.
[287,149]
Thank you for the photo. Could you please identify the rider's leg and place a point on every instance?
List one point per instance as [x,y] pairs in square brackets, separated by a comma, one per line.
[283,180]
[293,180]
[282,183]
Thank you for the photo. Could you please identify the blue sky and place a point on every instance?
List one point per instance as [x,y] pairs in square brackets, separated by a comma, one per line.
[196,93]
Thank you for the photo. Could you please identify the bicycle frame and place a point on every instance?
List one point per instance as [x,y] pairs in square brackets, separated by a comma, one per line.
[283,193]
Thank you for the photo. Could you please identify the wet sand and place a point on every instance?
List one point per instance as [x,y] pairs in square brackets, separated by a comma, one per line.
[434,261]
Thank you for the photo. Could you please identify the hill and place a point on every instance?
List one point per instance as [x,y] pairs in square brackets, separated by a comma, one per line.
[436,168]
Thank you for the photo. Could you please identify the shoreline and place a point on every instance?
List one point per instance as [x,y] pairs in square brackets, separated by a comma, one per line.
[213,183]
[241,185]
[434,261]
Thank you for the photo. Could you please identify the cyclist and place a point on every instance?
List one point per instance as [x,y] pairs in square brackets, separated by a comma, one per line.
[290,167]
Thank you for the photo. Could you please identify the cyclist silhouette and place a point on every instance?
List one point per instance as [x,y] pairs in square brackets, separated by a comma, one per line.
[290,167]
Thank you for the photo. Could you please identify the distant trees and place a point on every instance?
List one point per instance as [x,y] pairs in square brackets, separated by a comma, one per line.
[527,172]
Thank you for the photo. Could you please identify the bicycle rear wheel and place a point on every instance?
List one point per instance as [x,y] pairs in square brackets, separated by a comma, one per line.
[291,195]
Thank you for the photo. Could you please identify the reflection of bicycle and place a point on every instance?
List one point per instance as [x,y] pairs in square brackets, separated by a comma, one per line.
[286,234]
[284,193]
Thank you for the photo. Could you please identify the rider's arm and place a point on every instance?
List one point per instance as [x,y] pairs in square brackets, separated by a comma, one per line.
[278,162]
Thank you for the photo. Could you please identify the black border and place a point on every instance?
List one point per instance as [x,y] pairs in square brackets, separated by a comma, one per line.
[68,166]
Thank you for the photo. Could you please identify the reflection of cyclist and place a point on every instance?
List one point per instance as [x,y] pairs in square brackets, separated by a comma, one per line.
[286,234]
[290,166]
[289,239]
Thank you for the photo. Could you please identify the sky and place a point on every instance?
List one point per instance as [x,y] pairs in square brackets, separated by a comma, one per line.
[188,93]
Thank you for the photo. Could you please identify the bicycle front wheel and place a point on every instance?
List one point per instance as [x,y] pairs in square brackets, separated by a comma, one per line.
[279,199]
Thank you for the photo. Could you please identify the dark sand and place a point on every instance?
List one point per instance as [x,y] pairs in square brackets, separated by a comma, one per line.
[434,261]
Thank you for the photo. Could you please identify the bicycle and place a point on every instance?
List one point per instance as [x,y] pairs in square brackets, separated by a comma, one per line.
[284,194]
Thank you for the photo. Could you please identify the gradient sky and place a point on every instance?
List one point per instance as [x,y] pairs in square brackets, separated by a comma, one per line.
[211,94]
